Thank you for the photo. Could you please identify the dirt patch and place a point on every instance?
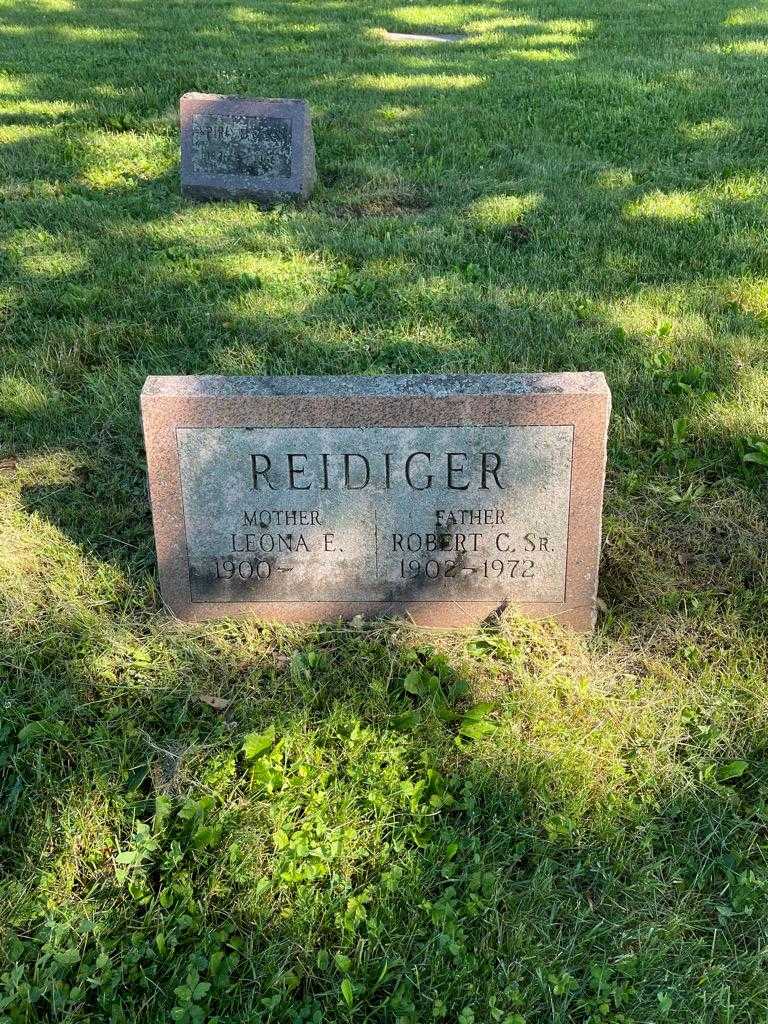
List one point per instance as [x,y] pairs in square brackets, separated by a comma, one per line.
[514,236]
[383,206]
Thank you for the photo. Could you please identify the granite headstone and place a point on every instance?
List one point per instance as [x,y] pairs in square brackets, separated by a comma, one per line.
[313,498]
[233,147]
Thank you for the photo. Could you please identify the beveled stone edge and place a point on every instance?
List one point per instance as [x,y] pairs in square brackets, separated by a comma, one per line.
[237,98]
[385,386]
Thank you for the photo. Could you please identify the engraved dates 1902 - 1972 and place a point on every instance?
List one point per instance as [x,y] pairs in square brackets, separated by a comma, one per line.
[257,147]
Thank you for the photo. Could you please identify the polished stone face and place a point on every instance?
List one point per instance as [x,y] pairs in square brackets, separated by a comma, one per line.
[446,514]
[235,144]
[239,147]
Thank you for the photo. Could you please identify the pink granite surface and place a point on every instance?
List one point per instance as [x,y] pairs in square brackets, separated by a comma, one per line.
[579,400]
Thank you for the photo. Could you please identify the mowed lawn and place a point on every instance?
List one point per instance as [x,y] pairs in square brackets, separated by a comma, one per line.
[246,823]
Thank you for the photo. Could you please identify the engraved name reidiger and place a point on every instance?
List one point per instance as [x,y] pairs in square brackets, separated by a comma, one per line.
[419,470]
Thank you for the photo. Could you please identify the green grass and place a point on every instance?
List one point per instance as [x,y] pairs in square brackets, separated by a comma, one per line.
[578,185]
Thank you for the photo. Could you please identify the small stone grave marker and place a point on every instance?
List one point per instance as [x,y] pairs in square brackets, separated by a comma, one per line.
[233,147]
[313,498]
[423,37]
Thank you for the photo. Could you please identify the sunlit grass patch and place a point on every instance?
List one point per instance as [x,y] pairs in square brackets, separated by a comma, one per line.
[439,16]
[397,113]
[667,206]
[615,177]
[709,131]
[42,253]
[570,27]
[92,34]
[121,160]
[52,6]
[745,47]
[19,397]
[248,16]
[44,109]
[666,315]
[750,294]
[501,210]
[554,53]
[756,15]
[411,83]
[19,134]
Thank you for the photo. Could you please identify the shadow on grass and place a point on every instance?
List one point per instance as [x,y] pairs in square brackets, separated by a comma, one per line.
[360,841]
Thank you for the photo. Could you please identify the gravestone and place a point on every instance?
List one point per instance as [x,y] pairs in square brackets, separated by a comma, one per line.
[441,498]
[422,37]
[233,147]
